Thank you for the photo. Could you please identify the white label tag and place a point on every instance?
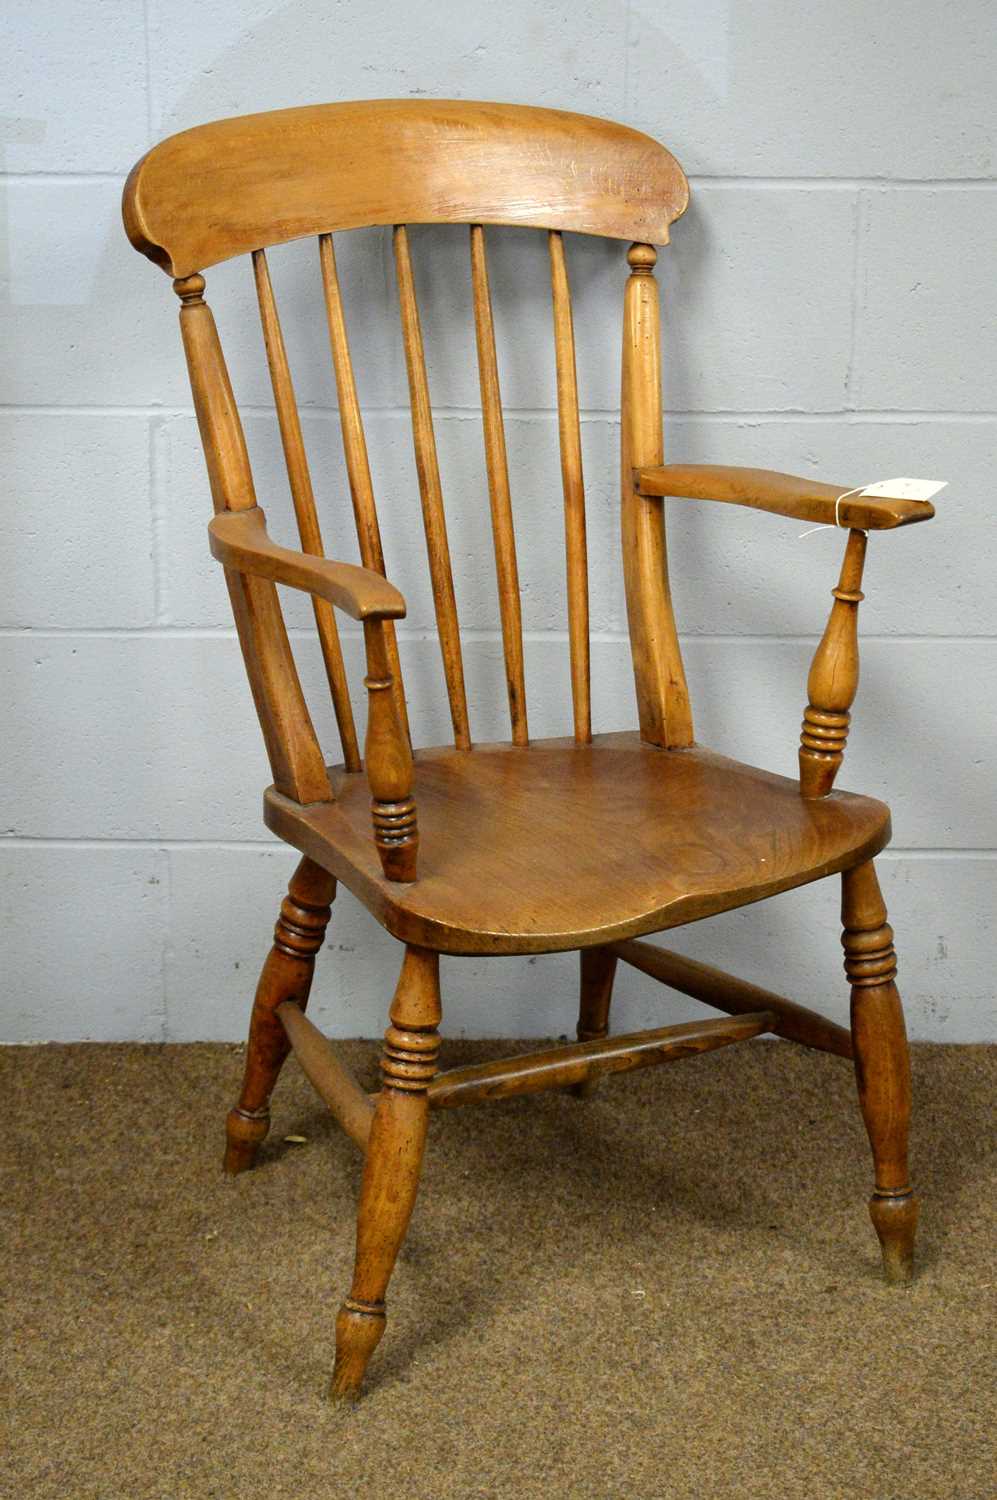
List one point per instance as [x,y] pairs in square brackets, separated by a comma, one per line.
[904,489]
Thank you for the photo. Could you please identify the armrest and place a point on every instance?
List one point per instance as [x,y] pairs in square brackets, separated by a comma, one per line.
[239,540]
[783,494]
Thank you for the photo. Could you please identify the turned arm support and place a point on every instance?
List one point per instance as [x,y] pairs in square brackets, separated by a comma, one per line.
[833,679]
[239,541]
[834,673]
[782,494]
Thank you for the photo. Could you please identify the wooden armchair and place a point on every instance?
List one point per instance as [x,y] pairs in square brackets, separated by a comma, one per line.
[589,842]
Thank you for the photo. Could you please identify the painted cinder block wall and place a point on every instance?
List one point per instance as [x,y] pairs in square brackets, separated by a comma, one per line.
[830,310]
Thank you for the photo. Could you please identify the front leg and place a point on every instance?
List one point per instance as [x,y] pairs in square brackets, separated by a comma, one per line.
[882,1064]
[394,1162]
[287,975]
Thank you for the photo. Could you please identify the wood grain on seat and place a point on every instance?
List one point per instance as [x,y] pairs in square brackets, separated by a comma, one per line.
[564,845]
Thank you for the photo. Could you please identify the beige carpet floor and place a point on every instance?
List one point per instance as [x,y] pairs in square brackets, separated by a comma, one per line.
[670,1290]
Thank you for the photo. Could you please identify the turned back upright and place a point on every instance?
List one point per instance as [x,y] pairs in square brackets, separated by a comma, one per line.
[243,185]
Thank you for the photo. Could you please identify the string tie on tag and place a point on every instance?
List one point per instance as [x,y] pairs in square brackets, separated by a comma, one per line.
[826,526]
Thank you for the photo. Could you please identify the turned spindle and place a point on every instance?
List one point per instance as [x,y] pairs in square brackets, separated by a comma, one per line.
[388,758]
[882,1064]
[287,975]
[833,679]
[393,1163]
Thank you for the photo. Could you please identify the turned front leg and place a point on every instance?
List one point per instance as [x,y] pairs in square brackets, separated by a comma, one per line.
[833,680]
[389,764]
[393,1164]
[882,1064]
[287,975]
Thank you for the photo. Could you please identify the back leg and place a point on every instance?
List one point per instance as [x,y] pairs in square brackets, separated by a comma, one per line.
[882,1064]
[287,975]
[598,969]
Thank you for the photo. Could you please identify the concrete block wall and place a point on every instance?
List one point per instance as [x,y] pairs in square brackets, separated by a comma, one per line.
[830,310]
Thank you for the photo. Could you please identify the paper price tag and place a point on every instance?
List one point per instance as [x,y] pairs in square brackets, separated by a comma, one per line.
[904,489]
[885,489]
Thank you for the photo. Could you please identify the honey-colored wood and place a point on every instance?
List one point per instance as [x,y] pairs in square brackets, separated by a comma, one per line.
[226,188]
[222,437]
[300,481]
[239,540]
[566,1067]
[330,1077]
[834,679]
[736,996]
[355,452]
[498,490]
[662,695]
[573,484]
[288,732]
[389,764]
[658,840]
[882,1064]
[782,494]
[287,975]
[583,843]
[393,1164]
[431,493]
[597,968]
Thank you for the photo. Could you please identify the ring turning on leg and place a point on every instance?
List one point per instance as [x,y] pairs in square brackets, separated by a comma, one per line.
[882,1064]
[287,975]
[393,1164]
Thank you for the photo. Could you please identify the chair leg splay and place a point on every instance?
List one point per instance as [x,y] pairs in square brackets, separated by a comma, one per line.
[882,1064]
[287,975]
[392,1166]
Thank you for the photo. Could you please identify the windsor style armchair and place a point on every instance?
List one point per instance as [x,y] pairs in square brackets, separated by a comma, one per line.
[588,842]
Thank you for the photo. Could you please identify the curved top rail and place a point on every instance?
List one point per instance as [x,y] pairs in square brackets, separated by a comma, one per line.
[236,185]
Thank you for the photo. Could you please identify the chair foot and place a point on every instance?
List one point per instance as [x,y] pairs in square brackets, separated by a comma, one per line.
[244,1133]
[287,975]
[359,1329]
[895,1221]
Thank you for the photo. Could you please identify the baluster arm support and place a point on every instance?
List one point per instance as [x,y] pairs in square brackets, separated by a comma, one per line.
[388,756]
[833,679]
[834,672]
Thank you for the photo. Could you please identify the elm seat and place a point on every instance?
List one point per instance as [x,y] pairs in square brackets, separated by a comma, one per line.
[632,840]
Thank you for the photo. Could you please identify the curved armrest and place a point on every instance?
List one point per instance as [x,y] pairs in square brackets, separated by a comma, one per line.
[783,494]
[239,540]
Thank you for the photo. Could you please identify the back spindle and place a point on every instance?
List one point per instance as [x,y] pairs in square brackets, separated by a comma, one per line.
[498,490]
[303,497]
[355,451]
[573,484]
[431,493]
